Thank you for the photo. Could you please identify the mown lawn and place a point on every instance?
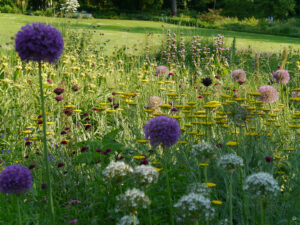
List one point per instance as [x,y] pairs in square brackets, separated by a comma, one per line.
[131,32]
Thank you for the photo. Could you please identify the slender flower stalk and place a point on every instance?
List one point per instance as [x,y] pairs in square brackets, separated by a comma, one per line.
[230,199]
[50,198]
[19,210]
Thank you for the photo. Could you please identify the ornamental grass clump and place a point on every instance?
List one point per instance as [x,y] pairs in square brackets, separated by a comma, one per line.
[162,130]
[194,207]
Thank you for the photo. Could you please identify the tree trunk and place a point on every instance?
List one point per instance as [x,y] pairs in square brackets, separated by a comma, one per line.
[174,7]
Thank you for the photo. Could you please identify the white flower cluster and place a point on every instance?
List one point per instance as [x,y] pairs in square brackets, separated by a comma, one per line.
[194,207]
[117,171]
[132,200]
[203,150]
[230,162]
[199,188]
[145,174]
[261,184]
[70,6]
[128,220]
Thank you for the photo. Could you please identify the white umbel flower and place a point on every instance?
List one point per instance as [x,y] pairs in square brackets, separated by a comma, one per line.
[145,174]
[261,184]
[199,188]
[230,162]
[128,220]
[70,7]
[203,150]
[194,207]
[132,200]
[117,171]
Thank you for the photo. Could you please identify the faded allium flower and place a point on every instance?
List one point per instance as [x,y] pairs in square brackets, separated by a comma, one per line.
[154,103]
[296,94]
[203,151]
[128,220]
[145,175]
[239,76]
[281,76]
[132,200]
[230,162]
[199,188]
[15,179]
[39,42]
[162,130]
[261,184]
[268,94]
[194,207]
[117,171]
[162,70]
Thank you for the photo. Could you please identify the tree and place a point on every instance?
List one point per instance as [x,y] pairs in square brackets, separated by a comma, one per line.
[174,7]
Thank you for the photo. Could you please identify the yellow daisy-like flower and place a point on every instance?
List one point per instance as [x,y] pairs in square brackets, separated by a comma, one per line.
[216,202]
[69,106]
[232,143]
[139,157]
[210,184]
[77,111]
[27,131]
[142,141]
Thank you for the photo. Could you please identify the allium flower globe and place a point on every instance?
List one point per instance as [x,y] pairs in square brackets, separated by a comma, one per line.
[162,130]
[268,94]
[281,76]
[230,162]
[194,207]
[261,184]
[132,200]
[239,76]
[15,179]
[162,70]
[39,42]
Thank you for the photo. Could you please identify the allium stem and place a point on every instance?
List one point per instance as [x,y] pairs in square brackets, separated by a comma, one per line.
[134,222]
[50,199]
[261,211]
[230,199]
[19,211]
[165,151]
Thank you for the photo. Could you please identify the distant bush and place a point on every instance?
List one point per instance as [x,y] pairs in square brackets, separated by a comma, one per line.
[9,9]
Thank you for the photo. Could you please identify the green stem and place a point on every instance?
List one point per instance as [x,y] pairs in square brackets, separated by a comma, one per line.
[205,174]
[261,211]
[149,216]
[50,199]
[134,222]
[19,211]
[230,199]
[168,186]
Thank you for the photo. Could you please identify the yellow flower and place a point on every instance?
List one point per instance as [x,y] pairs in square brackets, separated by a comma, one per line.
[139,157]
[77,111]
[289,149]
[69,106]
[142,141]
[203,164]
[232,143]
[254,93]
[111,111]
[27,132]
[182,142]
[216,202]
[210,184]
[158,169]
[155,163]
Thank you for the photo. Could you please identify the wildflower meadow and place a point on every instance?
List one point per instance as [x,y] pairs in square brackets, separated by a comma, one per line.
[190,131]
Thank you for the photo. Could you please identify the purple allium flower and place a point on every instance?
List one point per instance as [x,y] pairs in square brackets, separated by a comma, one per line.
[162,130]
[281,76]
[239,76]
[268,94]
[15,179]
[162,70]
[39,42]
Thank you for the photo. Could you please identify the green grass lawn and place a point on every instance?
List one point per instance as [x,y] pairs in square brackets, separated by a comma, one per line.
[131,32]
